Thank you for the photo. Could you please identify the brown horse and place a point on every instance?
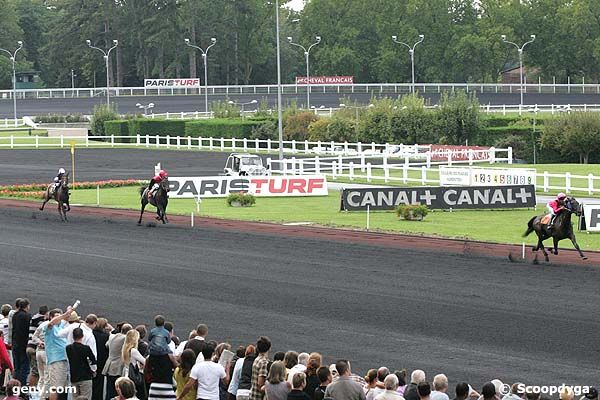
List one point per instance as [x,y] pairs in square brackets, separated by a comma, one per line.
[562,229]
[61,196]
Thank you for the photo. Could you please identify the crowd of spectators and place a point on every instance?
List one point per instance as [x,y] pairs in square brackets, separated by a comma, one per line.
[56,349]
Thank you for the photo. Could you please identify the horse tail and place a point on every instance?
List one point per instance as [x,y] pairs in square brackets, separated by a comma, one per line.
[529,227]
[142,190]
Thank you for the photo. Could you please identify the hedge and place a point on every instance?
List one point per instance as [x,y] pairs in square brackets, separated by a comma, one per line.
[496,120]
[227,128]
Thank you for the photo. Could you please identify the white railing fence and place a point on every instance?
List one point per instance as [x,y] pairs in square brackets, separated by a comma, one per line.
[305,147]
[385,171]
[6,123]
[359,88]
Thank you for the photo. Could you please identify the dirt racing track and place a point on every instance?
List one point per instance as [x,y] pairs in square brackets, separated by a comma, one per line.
[377,299]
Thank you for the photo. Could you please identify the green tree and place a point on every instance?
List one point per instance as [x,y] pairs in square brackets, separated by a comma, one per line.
[574,134]
[459,118]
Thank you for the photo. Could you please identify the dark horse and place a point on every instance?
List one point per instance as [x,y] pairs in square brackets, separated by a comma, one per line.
[61,196]
[160,200]
[562,229]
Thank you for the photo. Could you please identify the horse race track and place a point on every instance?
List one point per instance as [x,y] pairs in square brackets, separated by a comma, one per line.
[373,301]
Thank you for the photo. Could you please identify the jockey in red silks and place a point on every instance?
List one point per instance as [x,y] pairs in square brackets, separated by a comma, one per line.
[155,182]
[555,206]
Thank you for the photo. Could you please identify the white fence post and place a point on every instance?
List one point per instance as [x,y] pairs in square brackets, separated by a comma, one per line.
[428,159]
[373,147]
[168,141]
[189,138]
[317,165]
[351,170]
[306,149]
[362,161]
[222,144]
[368,172]
[301,166]
[157,141]
[12,141]
[386,170]
[590,184]
[256,144]
[210,143]
[147,141]
[449,158]
[470,156]
[333,169]
[232,144]
[178,142]
[546,189]
[568,182]
[294,146]
[492,155]
[112,140]
[62,141]
[424,175]
[269,145]
[245,144]
[359,147]
[293,161]
[510,155]
[137,139]
[405,173]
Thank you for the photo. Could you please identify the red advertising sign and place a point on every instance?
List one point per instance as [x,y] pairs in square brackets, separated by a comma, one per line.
[325,80]
[459,153]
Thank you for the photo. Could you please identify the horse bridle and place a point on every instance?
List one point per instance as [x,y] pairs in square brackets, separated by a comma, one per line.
[569,207]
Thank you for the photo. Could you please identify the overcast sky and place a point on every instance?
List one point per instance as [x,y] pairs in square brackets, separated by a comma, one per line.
[296,4]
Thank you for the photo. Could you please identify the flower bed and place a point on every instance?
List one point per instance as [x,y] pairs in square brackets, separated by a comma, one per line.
[37,190]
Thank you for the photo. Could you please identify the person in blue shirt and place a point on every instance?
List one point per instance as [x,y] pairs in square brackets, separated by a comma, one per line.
[159,338]
[57,365]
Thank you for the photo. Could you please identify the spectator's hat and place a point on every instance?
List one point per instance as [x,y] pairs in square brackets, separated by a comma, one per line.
[73,317]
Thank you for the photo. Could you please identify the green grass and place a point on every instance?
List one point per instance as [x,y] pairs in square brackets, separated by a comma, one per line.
[494,226]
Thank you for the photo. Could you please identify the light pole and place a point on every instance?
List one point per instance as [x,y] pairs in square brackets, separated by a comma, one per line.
[145,108]
[411,51]
[534,110]
[520,50]
[213,41]
[12,57]
[307,57]
[242,105]
[106,55]
[279,105]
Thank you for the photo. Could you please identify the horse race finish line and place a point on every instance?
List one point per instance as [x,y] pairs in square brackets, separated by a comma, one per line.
[508,251]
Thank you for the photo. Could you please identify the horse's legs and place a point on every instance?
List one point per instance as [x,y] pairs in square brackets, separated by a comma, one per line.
[61,211]
[555,245]
[144,203]
[572,237]
[161,213]
[541,246]
[46,199]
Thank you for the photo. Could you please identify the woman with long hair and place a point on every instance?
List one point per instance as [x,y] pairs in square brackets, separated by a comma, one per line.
[182,373]
[370,387]
[130,353]
[277,388]
[133,362]
[312,379]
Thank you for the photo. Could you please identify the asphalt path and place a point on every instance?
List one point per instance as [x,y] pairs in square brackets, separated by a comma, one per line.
[472,318]
[37,166]
[163,104]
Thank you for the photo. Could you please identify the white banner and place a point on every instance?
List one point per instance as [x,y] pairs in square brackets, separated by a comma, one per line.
[260,186]
[592,217]
[172,83]
[479,176]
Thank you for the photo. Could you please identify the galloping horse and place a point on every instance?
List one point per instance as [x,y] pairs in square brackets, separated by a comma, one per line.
[61,196]
[562,229]
[160,200]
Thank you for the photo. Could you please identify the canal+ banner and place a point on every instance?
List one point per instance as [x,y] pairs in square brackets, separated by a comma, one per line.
[260,186]
[439,198]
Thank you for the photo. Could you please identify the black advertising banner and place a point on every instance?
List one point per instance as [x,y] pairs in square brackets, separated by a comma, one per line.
[439,198]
